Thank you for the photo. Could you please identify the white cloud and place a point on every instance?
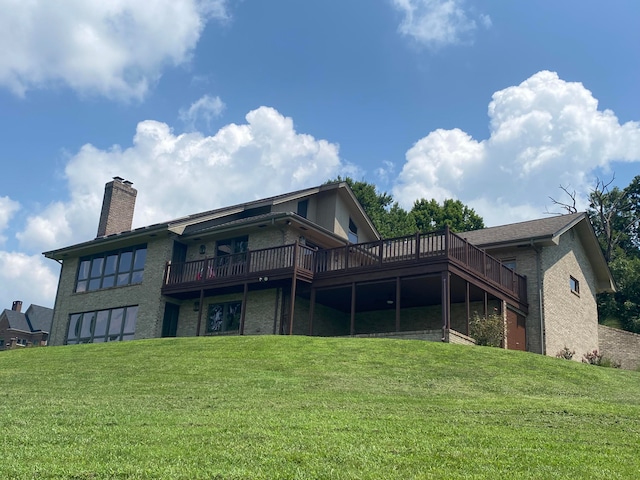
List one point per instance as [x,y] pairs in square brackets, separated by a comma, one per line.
[544,132]
[437,23]
[182,174]
[115,48]
[203,110]
[8,208]
[30,278]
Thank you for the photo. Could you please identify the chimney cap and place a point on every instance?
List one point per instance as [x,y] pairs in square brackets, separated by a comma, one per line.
[127,182]
[118,179]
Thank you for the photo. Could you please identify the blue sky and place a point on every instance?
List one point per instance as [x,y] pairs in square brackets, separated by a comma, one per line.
[204,103]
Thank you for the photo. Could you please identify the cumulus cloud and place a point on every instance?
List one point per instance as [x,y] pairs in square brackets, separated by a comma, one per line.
[179,174]
[114,48]
[8,208]
[543,133]
[437,23]
[202,111]
[27,278]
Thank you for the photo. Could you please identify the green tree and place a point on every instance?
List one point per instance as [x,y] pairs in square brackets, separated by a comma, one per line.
[429,215]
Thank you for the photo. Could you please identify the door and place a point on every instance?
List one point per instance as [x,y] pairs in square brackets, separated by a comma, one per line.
[170,321]
[516,332]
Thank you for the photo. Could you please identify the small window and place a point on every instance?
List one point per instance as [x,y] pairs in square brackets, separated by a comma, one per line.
[511,263]
[575,285]
[353,232]
[303,206]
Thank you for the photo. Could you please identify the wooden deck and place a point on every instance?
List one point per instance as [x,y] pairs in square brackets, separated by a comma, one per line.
[381,256]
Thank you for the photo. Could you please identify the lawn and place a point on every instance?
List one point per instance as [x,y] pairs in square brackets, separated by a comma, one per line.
[312,408]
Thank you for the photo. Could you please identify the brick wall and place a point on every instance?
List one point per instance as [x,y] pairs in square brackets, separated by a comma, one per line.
[117,208]
[146,295]
[570,319]
[621,346]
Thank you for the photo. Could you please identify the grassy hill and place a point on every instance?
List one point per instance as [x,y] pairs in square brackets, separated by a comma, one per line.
[312,408]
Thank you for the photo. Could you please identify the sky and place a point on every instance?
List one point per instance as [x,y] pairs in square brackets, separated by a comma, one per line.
[207,103]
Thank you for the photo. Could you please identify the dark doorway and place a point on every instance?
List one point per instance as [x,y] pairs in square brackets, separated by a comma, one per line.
[170,321]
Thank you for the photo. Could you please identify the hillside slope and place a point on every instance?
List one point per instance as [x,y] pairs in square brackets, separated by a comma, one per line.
[309,408]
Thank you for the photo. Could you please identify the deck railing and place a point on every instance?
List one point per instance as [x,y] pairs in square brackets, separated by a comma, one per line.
[418,248]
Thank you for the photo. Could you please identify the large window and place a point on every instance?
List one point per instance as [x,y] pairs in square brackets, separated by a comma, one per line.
[111,269]
[112,325]
[223,317]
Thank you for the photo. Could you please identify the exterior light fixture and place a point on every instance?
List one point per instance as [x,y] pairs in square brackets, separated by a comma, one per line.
[203,249]
[196,306]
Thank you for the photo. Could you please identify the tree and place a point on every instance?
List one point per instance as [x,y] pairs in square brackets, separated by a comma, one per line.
[391,220]
[430,215]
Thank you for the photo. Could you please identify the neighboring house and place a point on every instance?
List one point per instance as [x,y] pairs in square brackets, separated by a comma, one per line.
[311,262]
[26,329]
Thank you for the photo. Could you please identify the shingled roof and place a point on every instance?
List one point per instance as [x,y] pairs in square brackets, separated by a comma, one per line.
[546,232]
[542,230]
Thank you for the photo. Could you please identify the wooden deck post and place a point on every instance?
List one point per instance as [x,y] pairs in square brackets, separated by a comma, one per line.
[200,308]
[446,302]
[294,282]
[244,307]
[467,302]
[417,245]
[397,304]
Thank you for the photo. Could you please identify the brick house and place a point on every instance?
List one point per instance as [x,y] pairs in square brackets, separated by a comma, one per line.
[311,262]
[18,329]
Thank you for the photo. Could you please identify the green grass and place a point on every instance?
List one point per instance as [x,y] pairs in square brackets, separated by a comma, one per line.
[312,408]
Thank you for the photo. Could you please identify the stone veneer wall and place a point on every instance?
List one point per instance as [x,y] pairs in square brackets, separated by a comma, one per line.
[619,345]
[570,319]
[146,295]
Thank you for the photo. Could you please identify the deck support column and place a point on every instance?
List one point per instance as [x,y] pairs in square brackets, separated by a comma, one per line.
[397,304]
[244,307]
[294,282]
[467,303]
[312,306]
[485,306]
[352,328]
[200,308]
[446,303]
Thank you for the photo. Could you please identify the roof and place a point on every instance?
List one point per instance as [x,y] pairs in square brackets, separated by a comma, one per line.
[207,220]
[546,232]
[35,319]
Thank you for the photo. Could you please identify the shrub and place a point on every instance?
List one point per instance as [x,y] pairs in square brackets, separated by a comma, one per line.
[566,353]
[596,358]
[487,331]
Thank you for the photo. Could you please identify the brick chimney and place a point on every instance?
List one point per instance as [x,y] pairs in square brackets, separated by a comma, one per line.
[117,207]
[17,306]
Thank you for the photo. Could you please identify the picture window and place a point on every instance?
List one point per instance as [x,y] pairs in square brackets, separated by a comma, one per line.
[114,325]
[123,267]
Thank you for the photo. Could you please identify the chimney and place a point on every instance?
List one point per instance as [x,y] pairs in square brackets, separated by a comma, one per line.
[17,306]
[117,207]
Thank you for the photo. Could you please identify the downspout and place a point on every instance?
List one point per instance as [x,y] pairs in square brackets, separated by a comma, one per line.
[540,302]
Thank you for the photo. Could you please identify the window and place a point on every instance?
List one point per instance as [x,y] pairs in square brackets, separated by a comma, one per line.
[112,325]
[575,285]
[303,206]
[353,232]
[223,317]
[511,263]
[232,245]
[122,267]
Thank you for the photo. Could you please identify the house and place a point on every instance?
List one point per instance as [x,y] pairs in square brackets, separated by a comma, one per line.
[30,328]
[565,269]
[311,262]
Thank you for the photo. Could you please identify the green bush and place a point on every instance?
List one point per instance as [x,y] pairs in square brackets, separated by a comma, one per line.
[487,331]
